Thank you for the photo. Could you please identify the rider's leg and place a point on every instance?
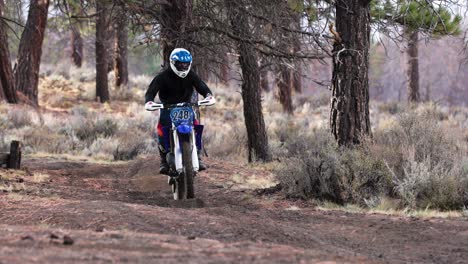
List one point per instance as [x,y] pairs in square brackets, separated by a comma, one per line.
[164,121]
[201,164]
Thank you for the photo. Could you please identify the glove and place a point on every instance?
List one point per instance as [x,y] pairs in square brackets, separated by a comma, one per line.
[209,100]
[209,97]
[151,106]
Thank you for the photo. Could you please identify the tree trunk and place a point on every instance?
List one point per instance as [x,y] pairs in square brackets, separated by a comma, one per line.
[224,69]
[413,68]
[30,50]
[175,18]
[200,57]
[2,94]
[297,77]
[349,115]
[121,42]
[283,81]
[111,52]
[201,69]
[7,90]
[256,132]
[102,84]
[264,80]
[297,72]
[76,46]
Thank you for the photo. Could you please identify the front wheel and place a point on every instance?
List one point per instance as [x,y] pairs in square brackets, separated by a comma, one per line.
[183,186]
[189,172]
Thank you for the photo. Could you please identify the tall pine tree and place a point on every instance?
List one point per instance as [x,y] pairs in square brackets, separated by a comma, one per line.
[415,17]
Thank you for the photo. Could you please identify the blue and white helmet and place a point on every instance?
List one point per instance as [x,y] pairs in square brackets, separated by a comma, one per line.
[181,62]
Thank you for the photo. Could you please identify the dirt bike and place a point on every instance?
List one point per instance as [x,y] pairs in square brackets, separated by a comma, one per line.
[182,141]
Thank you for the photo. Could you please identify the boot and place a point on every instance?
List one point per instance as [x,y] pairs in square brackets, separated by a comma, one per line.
[201,165]
[164,167]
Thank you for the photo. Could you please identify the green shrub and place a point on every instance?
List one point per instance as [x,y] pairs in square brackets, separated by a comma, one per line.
[226,143]
[416,135]
[4,147]
[426,162]
[90,131]
[414,161]
[105,127]
[102,148]
[44,140]
[80,110]
[426,186]
[317,168]
[19,117]
[130,145]
[391,108]
[123,94]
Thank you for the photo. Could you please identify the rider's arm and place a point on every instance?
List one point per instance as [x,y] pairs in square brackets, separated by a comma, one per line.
[200,85]
[153,89]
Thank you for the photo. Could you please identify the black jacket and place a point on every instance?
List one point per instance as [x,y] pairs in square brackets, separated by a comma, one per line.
[173,89]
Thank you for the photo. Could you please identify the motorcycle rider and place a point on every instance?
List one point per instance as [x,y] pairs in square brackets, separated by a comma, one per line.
[174,85]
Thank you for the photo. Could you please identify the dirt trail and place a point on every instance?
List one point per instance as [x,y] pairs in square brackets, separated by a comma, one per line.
[87,212]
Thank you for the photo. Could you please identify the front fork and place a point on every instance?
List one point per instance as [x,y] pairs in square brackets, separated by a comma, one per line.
[176,136]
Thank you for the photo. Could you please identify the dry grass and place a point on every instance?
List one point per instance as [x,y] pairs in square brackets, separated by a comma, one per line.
[393,210]
[10,187]
[39,177]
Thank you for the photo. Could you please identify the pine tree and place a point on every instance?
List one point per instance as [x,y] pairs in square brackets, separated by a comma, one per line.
[415,17]
[349,116]
[7,90]
[102,83]
[30,50]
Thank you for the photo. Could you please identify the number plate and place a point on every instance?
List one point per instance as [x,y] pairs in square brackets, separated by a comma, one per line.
[182,115]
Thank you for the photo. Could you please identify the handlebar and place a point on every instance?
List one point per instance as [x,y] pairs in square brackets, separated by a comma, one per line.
[151,106]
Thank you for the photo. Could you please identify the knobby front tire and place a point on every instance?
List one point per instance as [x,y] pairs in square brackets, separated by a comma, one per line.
[189,172]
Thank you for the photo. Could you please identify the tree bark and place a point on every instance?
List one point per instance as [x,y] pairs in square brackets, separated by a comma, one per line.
[201,69]
[2,94]
[102,83]
[224,69]
[297,72]
[297,77]
[111,52]
[256,132]
[76,46]
[121,50]
[175,18]
[7,90]
[30,50]
[413,68]
[283,81]
[264,80]
[14,159]
[349,115]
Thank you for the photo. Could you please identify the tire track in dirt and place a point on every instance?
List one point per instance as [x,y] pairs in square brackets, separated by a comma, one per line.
[84,197]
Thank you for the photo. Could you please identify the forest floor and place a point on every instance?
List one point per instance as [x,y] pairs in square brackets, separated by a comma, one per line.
[67,210]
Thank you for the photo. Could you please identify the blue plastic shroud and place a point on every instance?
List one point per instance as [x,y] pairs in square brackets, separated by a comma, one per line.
[167,134]
[184,128]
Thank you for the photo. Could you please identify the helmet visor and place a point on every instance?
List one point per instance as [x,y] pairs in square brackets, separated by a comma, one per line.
[182,66]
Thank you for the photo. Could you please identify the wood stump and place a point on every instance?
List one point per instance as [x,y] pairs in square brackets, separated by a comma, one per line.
[12,160]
